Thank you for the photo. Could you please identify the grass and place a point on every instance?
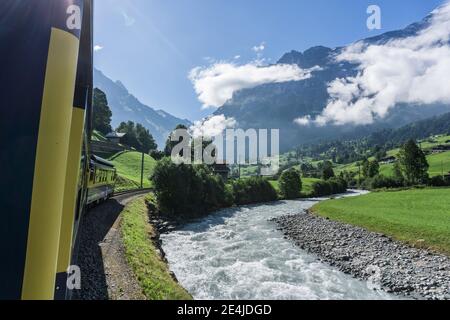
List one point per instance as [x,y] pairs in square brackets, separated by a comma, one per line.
[435,141]
[419,217]
[152,273]
[128,165]
[124,184]
[438,163]
[306,186]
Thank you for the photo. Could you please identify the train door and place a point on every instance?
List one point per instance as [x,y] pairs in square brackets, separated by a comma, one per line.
[42,114]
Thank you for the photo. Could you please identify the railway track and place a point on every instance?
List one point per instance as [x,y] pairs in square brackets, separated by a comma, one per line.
[101,254]
[132,192]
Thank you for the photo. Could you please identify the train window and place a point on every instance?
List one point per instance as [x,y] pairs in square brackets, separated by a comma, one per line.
[91,174]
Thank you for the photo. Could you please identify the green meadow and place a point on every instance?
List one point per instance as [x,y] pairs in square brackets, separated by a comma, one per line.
[142,255]
[419,217]
[128,165]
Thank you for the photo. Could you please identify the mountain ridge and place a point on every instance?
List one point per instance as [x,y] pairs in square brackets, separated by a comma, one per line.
[126,107]
[276,105]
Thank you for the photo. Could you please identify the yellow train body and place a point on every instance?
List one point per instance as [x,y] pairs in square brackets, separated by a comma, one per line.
[45,122]
[101,180]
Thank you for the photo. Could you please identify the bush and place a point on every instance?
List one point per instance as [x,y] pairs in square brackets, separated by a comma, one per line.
[439,181]
[157,155]
[380,182]
[253,190]
[192,191]
[329,187]
[290,184]
[188,190]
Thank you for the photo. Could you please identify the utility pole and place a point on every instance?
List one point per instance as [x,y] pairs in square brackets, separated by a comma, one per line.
[359,174]
[142,171]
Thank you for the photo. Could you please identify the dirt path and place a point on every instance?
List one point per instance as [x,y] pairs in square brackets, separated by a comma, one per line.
[105,272]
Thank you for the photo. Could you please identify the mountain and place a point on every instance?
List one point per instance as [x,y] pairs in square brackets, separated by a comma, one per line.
[126,107]
[347,149]
[276,105]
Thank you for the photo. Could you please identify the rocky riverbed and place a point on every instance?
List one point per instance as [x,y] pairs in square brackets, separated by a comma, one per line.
[387,264]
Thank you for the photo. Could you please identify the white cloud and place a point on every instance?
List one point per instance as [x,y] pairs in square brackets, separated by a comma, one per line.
[236,57]
[98,48]
[413,70]
[217,83]
[128,20]
[259,48]
[212,126]
[303,121]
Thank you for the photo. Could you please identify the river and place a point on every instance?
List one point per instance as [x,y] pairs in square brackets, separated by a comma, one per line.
[239,254]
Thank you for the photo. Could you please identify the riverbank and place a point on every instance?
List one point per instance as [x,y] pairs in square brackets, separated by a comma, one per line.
[237,254]
[393,266]
[144,254]
[417,217]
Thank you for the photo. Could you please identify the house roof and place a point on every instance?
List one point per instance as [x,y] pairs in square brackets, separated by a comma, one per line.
[115,135]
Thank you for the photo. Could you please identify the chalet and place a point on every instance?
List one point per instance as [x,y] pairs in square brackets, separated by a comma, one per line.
[388,160]
[440,149]
[115,137]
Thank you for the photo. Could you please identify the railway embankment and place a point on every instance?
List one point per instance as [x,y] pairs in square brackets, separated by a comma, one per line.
[119,254]
[144,253]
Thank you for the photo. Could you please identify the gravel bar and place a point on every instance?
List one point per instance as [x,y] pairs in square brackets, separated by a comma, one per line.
[390,265]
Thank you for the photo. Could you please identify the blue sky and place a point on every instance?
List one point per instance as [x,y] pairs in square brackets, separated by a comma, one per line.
[152,45]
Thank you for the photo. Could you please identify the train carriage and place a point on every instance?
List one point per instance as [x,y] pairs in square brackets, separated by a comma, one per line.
[101,181]
[45,115]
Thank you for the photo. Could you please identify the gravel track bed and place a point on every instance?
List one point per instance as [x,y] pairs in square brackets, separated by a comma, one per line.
[105,274]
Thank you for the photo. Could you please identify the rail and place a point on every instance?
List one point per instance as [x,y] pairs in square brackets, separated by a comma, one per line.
[121,193]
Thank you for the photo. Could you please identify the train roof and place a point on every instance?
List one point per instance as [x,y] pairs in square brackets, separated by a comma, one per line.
[102,161]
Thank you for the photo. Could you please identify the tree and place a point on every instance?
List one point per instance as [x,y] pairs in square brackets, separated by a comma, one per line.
[189,190]
[398,175]
[365,168]
[380,155]
[145,139]
[102,113]
[171,144]
[374,168]
[137,136]
[370,169]
[327,170]
[307,169]
[157,155]
[290,184]
[413,163]
[130,138]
